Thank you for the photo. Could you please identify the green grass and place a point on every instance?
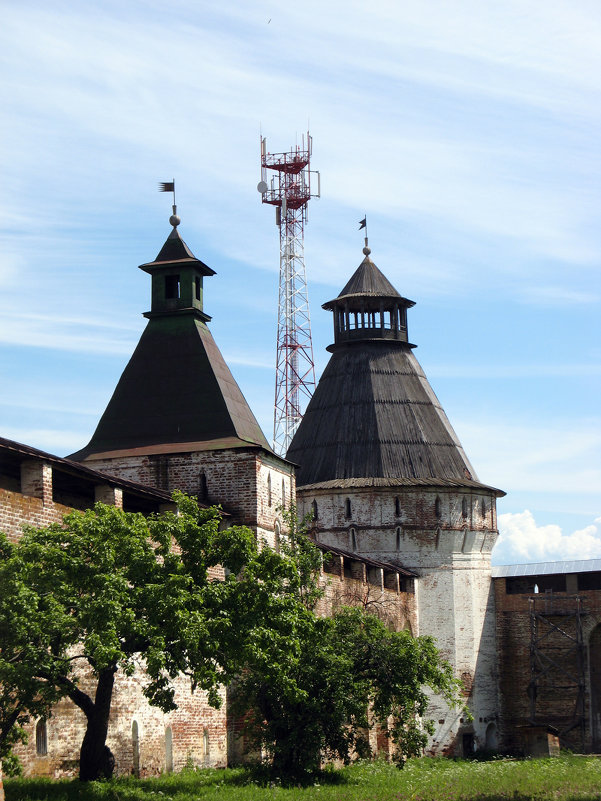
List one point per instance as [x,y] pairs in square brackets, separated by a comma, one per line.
[568,778]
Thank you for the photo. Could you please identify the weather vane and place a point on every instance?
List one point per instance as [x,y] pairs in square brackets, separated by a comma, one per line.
[169,186]
[363,224]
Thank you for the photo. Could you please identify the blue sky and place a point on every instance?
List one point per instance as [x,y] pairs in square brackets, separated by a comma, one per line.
[468,132]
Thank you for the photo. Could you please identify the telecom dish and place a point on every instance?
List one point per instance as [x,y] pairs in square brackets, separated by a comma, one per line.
[262,187]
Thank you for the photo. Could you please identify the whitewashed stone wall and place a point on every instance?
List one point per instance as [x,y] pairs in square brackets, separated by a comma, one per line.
[446,537]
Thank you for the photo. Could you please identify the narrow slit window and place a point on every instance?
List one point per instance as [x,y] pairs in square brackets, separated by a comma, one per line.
[41,738]
[398,538]
[197,287]
[168,750]
[347,508]
[314,509]
[397,507]
[283,494]
[269,490]
[464,508]
[353,540]
[437,507]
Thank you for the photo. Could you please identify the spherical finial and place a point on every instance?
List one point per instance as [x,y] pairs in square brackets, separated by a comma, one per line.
[367,250]
[174,220]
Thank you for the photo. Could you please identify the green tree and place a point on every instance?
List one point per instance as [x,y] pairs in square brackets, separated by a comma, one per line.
[346,673]
[93,594]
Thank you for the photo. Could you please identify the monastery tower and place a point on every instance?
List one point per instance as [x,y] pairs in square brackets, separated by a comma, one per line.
[177,418]
[385,476]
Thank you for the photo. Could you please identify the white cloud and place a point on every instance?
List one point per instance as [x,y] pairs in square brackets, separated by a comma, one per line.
[521,541]
[537,457]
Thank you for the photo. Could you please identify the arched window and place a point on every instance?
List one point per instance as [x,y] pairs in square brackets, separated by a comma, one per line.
[269,490]
[203,490]
[398,538]
[347,508]
[283,494]
[168,750]
[353,539]
[314,509]
[205,743]
[437,507]
[397,507]
[41,738]
[135,747]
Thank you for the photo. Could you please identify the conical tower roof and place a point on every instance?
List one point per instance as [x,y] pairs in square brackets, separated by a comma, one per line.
[374,418]
[176,393]
[367,281]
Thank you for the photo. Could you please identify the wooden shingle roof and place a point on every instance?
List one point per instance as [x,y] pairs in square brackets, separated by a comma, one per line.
[373,415]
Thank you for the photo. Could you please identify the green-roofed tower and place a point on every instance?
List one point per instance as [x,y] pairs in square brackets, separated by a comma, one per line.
[177,402]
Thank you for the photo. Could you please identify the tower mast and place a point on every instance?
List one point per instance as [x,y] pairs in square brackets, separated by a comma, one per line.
[289,190]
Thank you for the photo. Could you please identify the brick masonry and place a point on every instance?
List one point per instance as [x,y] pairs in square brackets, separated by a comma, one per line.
[557,690]
[251,484]
[255,487]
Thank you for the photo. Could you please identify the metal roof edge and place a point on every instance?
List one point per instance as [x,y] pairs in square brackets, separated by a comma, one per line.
[547,568]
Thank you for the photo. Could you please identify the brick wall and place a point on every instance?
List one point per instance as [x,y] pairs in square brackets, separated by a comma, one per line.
[193,725]
[247,483]
[557,690]
[198,732]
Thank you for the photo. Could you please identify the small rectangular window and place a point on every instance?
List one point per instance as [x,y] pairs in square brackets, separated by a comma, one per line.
[197,287]
[171,287]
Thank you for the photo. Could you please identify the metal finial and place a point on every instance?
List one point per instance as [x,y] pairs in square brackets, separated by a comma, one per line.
[174,219]
[366,250]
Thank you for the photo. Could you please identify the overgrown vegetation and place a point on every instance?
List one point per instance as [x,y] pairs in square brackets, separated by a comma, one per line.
[344,675]
[562,779]
[106,588]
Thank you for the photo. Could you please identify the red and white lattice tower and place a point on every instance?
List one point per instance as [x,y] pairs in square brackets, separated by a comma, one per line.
[286,184]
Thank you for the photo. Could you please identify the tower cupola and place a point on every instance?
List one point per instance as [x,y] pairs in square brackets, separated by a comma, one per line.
[177,278]
[369,308]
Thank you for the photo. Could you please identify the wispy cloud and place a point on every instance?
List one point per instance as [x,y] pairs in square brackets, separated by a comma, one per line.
[513,371]
[59,442]
[66,334]
[539,457]
[521,541]
[556,296]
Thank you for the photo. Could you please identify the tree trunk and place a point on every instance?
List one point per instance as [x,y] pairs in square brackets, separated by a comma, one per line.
[1,786]
[95,759]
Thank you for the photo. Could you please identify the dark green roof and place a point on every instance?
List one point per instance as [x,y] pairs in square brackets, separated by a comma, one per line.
[176,388]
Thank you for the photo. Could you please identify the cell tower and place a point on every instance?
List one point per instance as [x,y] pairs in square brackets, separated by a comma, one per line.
[289,190]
